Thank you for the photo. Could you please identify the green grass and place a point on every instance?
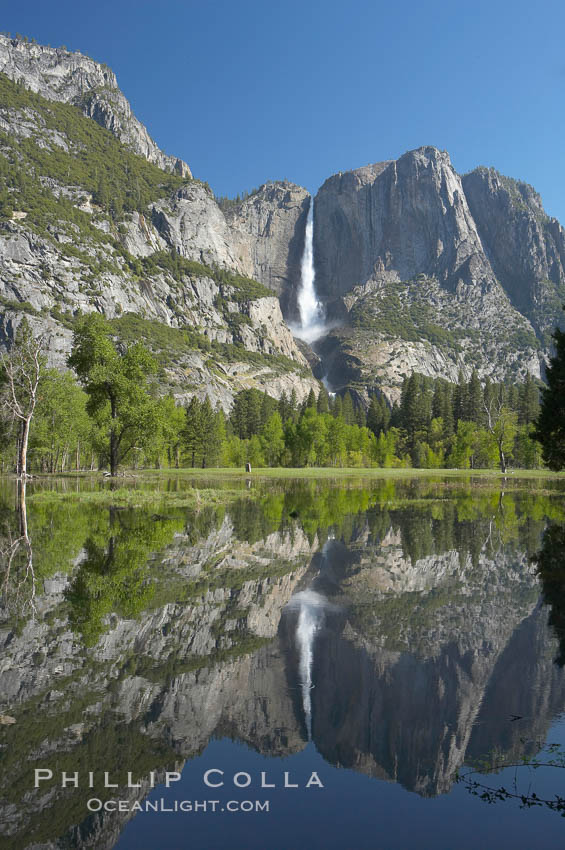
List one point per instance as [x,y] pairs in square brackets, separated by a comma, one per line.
[130,497]
[345,472]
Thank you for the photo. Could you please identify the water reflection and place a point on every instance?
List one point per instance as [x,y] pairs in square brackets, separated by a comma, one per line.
[309,607]
[551,565]
[19,585]
[397,626]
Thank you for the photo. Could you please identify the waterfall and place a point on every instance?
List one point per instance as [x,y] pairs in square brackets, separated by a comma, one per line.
[310,615]
[311,315]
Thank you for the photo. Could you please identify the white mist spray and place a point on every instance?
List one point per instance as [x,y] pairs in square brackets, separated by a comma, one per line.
[310,615]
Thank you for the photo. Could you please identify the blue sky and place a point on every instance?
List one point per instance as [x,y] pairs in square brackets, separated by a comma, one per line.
[251,90]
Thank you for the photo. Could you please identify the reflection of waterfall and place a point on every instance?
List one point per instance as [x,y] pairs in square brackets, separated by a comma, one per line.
[311,316]
[310,614]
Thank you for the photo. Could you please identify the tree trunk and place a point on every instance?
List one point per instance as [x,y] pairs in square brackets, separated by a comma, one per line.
[22,455]
[501,456]
[22,508]
[113,440]
[113,453]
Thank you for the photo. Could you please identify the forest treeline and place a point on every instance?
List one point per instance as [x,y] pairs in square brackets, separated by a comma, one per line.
[113,415]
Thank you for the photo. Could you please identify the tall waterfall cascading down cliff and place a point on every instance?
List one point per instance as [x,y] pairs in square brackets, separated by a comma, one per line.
[312,324]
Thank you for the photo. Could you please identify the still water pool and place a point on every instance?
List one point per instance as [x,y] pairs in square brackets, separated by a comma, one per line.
[316,664]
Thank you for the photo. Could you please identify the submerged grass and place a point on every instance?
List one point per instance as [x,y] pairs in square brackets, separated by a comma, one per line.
[133,498]
[347,472]
[200,488]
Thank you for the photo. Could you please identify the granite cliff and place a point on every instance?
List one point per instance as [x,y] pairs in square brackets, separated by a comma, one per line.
[90,221]
[61,75]
[419,268]
[432,272]
[269,227]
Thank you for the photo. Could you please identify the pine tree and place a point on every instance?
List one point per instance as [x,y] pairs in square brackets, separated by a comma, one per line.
[293,405]
[208,436]
[337,411]
[442,407]
[284,408]
[323,402]
[348,411]
[193,432]
[310,401]
[415,408]
[550,425]
[268,405]
[254,408]
[528,404]
[472,403]
[459,399]
[360,416]
[238,417]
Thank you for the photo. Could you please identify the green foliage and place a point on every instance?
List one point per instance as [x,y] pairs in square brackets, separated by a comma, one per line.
[234,287]
[204,433]
[113,578]
[92,159]
[550,426]
[401,312]
[62,426]
[168,345]
[226,203]
[116,384]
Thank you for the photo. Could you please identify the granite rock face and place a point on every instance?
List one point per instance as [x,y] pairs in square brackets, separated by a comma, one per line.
[419,269]
[88,259]
[268,229]
[425,271]
[394,220]
[58,74]
[525,246]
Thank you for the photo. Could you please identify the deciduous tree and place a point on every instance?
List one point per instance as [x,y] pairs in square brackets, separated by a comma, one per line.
[115,379]
[22,370]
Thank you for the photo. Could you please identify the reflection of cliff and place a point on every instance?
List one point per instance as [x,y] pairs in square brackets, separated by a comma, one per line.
[525,690]
[153,690]
[418,661]
[550,561]
[401,677]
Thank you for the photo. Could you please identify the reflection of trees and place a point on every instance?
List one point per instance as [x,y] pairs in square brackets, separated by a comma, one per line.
[16,554]
[551,567]
[521,786]
[115,576]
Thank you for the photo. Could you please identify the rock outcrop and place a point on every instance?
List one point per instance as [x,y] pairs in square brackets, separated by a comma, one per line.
[170,259]
[58,74]
[434,273]
[268,228]
[419,269]
[394,220]
[526,247]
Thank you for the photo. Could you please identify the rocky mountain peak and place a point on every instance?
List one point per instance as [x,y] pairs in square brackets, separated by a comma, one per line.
[395,220]
[71,77]
[268,227]
[526,248]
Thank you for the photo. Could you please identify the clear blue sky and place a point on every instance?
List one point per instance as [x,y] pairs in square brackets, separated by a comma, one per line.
[251,90]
